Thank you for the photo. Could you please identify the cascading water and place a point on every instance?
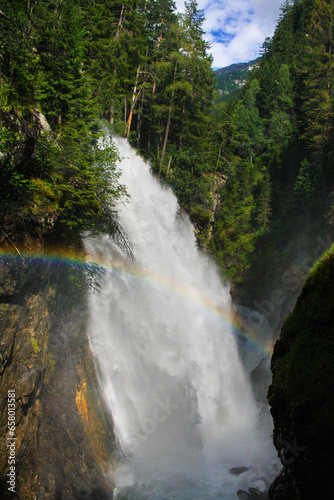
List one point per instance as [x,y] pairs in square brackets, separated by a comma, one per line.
[161,332]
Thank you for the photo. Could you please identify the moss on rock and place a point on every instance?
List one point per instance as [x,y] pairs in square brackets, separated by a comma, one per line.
[302,392]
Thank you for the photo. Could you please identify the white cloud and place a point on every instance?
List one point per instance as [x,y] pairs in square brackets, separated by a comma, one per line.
[238,28]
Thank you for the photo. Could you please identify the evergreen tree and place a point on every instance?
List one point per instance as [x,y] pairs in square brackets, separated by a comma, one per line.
[318,94]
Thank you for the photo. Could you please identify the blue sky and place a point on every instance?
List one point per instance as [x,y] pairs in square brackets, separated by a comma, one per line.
[236,29]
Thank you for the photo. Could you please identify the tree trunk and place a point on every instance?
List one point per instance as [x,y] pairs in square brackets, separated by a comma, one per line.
[169,162]
[125,114]
[140,117]
[168,122]
[120,22]
[152,115]
[134,100]
[111,115]
[218,159]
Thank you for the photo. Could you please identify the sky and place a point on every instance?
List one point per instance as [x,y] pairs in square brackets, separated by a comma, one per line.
[237,29]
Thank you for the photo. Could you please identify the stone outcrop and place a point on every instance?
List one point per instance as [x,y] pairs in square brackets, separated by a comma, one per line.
[22,154]
[64,439]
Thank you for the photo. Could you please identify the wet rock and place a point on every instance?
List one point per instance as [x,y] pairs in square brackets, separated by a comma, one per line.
[256,494]
[12,280]
[236,471]
[260,379]
[8,336]
[84,491]
[243,495]
[252,494]
[301,395]
[282,488]
[40,122]
[45,357]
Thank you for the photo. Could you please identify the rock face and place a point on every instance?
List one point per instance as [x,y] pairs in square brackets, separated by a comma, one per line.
[302,392]
[64,439]
[15,219]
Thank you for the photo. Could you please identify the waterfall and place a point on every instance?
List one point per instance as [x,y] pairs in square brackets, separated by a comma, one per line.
[161,331]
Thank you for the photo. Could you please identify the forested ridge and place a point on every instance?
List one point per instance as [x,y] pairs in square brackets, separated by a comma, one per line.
[231,79]
[279,144]
[251,172]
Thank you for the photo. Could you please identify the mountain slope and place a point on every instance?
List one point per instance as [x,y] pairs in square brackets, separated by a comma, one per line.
[231,80]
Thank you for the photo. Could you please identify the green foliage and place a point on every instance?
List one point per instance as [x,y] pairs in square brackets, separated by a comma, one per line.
[304,184]
[236,228]
[257,160]
[85,182]
[231,80]
[61,173]
[277,151]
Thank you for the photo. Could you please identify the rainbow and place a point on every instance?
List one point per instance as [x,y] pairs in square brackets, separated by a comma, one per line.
[74,259]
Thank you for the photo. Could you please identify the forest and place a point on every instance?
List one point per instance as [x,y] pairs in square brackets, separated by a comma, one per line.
[230,80]
[255,174]
[250,172]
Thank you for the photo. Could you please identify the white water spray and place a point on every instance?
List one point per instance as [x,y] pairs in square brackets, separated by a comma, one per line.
[182,408]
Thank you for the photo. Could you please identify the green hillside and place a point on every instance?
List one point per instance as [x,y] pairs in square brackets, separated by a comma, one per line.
[230,80]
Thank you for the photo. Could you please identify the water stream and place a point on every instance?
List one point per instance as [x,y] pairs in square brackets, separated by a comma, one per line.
[162,334]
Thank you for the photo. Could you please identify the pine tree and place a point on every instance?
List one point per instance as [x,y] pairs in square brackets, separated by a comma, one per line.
[249,130]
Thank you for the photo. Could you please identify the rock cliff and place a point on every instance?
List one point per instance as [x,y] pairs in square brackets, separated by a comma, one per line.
[301,395]
[64,440]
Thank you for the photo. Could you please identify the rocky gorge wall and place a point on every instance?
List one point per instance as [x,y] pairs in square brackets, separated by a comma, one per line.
[64,441]
[301,395]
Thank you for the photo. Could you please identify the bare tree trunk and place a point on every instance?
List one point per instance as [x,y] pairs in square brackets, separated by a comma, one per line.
[168,122]
[152,115]
[134,100]
[120,22]
[111,115]
[125,114]
[169,162]
[218,159]
[140,117]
